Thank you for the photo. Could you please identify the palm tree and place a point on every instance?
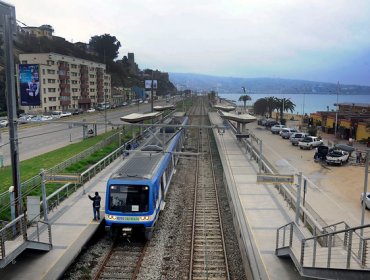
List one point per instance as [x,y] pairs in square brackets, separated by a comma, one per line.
[245,98]
[272,104]
[284,105]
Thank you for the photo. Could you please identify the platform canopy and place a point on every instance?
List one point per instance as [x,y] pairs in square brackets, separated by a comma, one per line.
[242,118]
[136,117]
[225,108]
[163,108]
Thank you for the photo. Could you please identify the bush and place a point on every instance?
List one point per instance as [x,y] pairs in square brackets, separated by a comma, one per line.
[312,130]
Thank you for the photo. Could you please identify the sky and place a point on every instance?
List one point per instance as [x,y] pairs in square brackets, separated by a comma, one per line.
[316,40]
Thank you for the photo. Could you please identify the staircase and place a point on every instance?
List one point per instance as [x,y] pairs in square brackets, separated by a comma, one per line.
[16,237]
[338,252]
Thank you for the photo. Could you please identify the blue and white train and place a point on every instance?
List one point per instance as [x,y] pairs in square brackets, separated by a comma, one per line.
[135,194]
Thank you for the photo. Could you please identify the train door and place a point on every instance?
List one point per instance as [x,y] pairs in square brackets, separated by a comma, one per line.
[163,190]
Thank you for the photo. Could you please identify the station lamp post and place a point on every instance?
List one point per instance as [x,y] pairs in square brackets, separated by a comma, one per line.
[336,113]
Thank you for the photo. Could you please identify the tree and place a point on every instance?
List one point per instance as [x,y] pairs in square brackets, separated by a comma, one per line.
[106,46]
[272,103]
[260,106]
[284,105]
[245,98]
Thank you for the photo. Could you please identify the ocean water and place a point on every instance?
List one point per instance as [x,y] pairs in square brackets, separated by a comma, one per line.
[306,103]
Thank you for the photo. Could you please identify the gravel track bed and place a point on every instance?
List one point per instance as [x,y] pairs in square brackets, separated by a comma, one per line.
[167,253]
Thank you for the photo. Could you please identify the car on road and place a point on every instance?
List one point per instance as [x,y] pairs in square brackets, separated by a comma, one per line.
[77,111]
[4,123]
[276,128]
[285,133]
[65,114]
[367,200]
[295,138]
[310,142]
[269,122]
[336,156]
[91,110]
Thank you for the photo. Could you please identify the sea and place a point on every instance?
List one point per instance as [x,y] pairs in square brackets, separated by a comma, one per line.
[305,103]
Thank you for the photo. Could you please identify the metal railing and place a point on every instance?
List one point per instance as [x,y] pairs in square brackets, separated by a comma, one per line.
[18,231]
[35,181]
[342,249]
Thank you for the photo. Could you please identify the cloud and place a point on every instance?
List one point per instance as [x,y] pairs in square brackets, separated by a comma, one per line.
[224,37]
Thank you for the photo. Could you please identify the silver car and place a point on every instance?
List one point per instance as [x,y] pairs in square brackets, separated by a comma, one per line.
[297,137]
[285,133]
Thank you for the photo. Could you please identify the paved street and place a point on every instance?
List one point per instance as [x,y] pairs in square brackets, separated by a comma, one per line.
[340,186]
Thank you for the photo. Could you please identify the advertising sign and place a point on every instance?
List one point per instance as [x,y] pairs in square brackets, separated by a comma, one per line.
[29,84]
[148,84]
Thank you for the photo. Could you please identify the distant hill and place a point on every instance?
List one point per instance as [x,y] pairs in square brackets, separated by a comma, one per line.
[220,84]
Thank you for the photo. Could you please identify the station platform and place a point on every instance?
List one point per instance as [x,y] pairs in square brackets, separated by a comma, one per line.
[260,209]
[72,226]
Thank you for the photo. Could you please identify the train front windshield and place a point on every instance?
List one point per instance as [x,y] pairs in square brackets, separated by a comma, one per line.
[129,198]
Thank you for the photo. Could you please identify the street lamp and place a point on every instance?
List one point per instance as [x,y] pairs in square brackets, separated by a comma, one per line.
[336,113]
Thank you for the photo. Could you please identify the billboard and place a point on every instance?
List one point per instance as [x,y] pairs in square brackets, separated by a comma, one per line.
[29,85]
[148,84]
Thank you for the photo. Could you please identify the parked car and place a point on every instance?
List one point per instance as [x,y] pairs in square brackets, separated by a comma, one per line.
[4,123]
[336,156]
[345,148]
[65,114]
[270,122]
[91,110]
[310,142]
[46,118]
[296,137]
[276,128]
[77,111]
[367,200]
[56,114]
[25,119]
[285,133]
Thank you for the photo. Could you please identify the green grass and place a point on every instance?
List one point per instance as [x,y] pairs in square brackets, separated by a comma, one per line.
[31,167]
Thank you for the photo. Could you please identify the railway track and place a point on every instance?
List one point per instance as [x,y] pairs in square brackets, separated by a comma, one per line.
[208,254]
[122,261]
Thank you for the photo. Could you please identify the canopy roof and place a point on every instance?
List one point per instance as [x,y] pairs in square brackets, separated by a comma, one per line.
[243,118]
[136,117]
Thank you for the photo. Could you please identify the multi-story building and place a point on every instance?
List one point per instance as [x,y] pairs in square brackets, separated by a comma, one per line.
[68,83]
[44,30]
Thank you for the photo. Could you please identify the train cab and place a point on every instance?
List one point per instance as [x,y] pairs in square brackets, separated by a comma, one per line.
[130,208]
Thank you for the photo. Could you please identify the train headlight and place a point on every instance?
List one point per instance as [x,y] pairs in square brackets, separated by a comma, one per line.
[144,218]
[111,217]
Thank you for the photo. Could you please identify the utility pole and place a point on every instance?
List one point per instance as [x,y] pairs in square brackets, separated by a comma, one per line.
[151,94]
[336,113]
[7,13]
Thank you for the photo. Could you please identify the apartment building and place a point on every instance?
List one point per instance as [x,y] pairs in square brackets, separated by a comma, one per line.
[66,83]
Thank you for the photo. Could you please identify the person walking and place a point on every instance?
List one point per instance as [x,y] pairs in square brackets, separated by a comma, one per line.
[96,205]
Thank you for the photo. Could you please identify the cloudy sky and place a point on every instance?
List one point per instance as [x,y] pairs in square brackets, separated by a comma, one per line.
[320,40]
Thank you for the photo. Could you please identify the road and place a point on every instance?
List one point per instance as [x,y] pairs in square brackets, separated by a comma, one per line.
[336,188]
[38,139]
